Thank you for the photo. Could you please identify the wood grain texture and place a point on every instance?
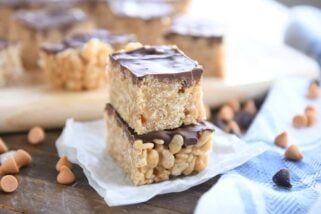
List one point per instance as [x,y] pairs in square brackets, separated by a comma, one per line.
[38,191]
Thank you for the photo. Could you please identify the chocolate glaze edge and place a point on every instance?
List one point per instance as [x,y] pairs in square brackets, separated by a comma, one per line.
[190,133]
[187,78]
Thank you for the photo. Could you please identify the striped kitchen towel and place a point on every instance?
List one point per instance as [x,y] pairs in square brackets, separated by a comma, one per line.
[249,188]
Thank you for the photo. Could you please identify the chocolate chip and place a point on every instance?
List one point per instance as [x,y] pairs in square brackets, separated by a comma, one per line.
[244,119]
[316,81]
[282,178]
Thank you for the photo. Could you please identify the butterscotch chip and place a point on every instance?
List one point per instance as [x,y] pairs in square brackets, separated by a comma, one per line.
[314,91]
[226,113]
[281,140]
[63,161]
[9,167]
[234,104]
[311,114]
[36,135]
[233,128]
[3,147]
[65,176]
[23,158]
[293,153]
[8,183]
[300,121]
[250,107]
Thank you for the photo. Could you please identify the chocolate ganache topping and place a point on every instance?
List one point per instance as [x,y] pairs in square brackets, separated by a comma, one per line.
[79,40]
[47,19]
[163,62]
[196,27]
[190,133]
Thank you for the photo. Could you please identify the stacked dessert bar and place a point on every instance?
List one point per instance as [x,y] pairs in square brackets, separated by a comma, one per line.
[155,118]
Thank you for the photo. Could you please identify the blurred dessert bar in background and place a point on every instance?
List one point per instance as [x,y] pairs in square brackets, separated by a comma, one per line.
[147,19]
[158,155]
[202,40]
[35,27]
[10,65]
[156,88]
[80,61]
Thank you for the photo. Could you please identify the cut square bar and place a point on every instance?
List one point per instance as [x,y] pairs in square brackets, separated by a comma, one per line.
[35,27]
[155,88]
[79,62]
[202,40]
[159,155]
[146,19]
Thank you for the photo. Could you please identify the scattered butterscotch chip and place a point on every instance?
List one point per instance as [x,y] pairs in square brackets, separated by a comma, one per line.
[233,128]
[8,183]
[293,153]
[36,135]
[281,140]
[9,167]
[3,147]
[65,176]
[249,107]
[300,121]
[282,178]
[226,113]
[63,161]
[22,158]
[311,114]
[234,104]
[314,91]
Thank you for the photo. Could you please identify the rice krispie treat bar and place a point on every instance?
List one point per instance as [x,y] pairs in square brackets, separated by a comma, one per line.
[158,155]
[9,7]
[202,40]
[10,64]
[79,62]
[146,19]
[35,27]
[155,88]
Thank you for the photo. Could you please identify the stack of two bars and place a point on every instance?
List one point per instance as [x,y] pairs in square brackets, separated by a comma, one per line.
[155,118]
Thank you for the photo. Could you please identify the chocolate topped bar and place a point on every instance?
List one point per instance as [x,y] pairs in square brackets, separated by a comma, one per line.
[145,10]
[79,40]
[190,133]
[3,44]
[197,28]
[164,62]
[47,19]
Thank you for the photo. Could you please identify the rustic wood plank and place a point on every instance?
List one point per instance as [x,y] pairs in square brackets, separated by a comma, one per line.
[38,191]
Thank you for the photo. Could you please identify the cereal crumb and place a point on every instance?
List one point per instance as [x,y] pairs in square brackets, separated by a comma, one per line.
[63,161]
[3,147]
[249,107]
[311,114]
[314,91]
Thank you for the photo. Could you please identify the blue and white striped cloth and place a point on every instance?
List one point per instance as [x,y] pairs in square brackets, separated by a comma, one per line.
[249,188]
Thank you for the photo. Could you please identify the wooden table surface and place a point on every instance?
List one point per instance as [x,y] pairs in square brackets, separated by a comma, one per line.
[38,191]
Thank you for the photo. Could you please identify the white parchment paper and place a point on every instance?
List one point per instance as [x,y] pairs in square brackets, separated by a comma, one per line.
[84,143]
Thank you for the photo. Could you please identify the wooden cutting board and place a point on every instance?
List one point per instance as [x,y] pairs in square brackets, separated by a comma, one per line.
[254,60]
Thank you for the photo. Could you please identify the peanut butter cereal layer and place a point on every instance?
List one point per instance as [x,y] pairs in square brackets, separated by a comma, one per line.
[158,155]
[155,88]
